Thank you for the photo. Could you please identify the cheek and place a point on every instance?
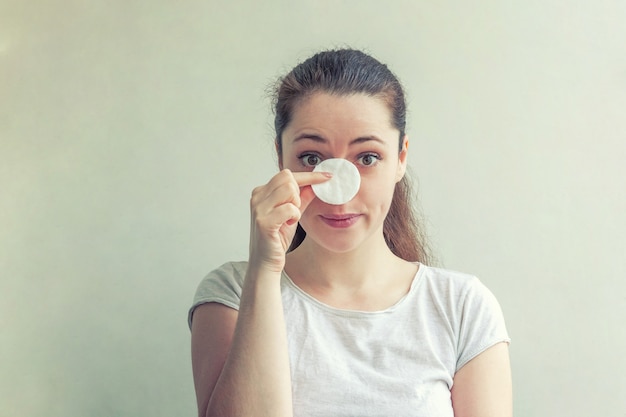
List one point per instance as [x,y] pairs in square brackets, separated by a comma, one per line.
[376,190]
[381,181]
[294,165]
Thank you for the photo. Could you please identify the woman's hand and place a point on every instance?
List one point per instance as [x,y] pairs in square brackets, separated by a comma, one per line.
[275,209]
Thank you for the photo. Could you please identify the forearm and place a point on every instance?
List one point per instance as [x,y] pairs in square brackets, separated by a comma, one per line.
[256,378]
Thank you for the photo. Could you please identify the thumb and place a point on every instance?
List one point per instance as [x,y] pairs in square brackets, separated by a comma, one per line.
[306,197]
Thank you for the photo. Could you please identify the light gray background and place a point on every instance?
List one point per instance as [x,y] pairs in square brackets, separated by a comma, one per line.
[131,134]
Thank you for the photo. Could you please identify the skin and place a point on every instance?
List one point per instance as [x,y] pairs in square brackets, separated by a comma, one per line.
[240,359]
[357,128]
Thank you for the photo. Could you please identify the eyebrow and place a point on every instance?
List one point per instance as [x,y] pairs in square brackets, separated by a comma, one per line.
[320,139]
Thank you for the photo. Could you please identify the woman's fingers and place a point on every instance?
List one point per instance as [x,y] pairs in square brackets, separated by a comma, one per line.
[309,178]
[305,181]
[306,197]
[284,198]
[275,209]
[276,193]
[287,187]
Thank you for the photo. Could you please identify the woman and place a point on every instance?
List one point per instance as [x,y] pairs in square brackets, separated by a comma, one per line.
[335,313]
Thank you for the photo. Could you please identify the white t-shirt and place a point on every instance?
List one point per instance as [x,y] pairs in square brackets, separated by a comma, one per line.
[397,362]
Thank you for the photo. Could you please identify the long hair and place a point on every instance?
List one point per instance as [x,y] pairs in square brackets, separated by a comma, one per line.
[344,72]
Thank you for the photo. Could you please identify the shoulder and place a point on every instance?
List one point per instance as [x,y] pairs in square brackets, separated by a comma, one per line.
[222,285]
[234,270]
[230,274]
[472,310]
[449,283]
[464,301]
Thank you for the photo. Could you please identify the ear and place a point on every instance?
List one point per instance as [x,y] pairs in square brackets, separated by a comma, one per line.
[402,158]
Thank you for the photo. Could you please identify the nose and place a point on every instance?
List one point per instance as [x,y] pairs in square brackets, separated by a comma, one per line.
[344,184]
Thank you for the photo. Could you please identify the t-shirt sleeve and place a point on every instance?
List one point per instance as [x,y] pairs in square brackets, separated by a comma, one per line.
[222,285]
[482,323]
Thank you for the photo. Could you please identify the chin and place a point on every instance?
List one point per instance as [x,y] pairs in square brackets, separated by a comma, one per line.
[335,242]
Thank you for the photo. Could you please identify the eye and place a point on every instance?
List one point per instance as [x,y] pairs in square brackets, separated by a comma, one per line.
[369,159]
[310,159]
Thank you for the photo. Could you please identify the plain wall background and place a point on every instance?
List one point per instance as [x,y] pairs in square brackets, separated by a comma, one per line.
[131,134]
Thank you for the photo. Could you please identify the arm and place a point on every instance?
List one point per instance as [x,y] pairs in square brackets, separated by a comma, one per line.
[240,359]
[483,387]
[212,331]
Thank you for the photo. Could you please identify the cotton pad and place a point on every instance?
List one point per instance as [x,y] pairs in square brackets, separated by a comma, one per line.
[343,185]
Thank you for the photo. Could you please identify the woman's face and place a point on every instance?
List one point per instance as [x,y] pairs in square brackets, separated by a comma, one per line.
[357,128]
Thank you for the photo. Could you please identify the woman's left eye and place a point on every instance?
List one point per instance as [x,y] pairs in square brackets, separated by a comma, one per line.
[368,159]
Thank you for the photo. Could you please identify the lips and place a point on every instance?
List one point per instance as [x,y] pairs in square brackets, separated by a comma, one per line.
[340,220]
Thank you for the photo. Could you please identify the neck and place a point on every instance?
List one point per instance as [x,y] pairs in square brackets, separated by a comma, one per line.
[356,269]
[370,278]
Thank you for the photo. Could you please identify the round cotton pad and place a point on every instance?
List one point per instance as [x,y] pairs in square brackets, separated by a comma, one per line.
[344,184]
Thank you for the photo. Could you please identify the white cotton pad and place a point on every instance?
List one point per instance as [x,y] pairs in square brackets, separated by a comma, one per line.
[344,184]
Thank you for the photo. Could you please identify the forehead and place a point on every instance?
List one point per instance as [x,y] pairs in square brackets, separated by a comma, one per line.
[358,112]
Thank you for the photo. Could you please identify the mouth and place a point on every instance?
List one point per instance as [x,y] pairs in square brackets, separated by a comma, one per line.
[340,220]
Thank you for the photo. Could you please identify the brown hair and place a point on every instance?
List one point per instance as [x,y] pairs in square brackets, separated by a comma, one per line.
[344,72]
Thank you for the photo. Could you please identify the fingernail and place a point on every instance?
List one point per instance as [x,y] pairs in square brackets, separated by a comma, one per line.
[328,174]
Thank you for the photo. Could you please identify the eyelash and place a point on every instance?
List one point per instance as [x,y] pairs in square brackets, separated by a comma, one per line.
[376,157]
[304,156]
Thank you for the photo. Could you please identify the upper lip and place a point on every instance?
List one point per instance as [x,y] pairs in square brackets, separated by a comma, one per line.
[343,216]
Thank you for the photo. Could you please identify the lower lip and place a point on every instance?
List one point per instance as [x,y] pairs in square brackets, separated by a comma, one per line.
[341,223]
